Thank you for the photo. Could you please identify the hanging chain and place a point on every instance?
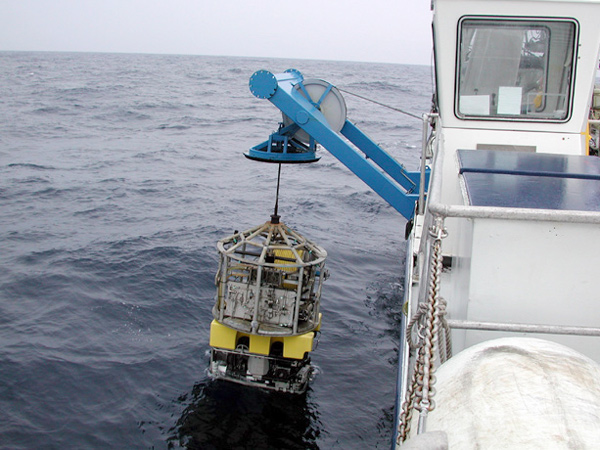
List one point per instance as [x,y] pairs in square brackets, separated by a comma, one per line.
[440,324]
[430,323]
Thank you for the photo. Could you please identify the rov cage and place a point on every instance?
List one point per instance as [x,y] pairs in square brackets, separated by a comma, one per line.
[267,309]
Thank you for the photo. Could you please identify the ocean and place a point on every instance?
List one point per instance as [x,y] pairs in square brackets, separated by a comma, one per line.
[118,174]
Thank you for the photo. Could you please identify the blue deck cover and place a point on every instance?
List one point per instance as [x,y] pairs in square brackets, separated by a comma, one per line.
[531,180]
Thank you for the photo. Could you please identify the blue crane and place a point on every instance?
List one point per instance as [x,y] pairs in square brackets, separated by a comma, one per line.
[314,112]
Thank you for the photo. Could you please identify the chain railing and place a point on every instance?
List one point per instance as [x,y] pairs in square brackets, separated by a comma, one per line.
[429,325]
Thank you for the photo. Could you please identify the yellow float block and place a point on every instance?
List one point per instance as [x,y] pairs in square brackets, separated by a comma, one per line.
[260,344]
[319,324]
[222,336]
[293,346]
[284,253]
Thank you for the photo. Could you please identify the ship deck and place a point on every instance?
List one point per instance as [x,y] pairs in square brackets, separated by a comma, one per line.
[530,180]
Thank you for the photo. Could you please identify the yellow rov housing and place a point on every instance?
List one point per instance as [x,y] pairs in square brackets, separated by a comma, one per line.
[266,314]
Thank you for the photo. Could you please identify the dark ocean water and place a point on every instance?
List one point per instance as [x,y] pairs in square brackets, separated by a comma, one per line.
[118,174]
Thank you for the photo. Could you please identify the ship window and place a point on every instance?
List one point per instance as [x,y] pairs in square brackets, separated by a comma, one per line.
[515,69]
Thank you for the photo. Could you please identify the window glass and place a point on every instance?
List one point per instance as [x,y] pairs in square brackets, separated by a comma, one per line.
[515,69]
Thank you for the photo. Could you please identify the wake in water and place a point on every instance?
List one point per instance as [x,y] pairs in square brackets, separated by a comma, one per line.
[224,415]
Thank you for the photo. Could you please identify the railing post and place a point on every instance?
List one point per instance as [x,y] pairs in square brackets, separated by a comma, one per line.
[421,202]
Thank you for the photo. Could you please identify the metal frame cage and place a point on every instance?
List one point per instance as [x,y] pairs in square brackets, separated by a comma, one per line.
[269,281]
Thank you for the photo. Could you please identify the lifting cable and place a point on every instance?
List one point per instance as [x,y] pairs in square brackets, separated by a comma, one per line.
[381,104]
[275,216]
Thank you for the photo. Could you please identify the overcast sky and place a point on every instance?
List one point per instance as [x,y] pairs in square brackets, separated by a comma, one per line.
[395,31]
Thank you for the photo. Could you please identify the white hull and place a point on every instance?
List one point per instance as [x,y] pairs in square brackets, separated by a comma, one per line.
[507,243]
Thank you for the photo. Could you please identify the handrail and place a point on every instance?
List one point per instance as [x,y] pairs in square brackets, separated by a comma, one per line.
[437,208]
[523,327]
[427,118]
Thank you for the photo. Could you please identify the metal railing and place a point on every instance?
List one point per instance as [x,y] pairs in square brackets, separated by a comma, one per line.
[523,328]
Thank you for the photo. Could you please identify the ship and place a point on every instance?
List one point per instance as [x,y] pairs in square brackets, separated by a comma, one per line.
[499,335]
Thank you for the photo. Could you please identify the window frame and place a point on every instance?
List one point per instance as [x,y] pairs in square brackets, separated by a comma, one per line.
[537,21]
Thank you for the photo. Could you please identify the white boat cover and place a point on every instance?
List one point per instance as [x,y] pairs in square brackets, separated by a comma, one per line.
[517,393]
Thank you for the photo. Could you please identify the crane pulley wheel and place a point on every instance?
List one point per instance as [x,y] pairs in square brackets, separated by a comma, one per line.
[327,99]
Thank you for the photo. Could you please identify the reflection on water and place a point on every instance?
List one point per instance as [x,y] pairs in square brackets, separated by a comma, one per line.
[225,415]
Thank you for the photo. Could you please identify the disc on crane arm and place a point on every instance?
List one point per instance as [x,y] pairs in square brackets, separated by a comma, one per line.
[329,101]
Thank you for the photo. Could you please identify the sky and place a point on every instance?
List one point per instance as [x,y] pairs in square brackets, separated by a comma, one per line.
[391,31]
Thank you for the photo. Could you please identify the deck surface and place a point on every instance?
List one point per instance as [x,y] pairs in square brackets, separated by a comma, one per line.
[531,180]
